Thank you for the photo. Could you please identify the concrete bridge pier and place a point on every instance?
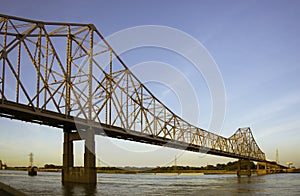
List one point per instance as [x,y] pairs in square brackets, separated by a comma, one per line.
[86,174]
[261,168]
[241,171]
[264,168]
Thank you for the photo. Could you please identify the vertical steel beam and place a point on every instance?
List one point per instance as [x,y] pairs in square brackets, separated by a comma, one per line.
[89,155]
[90,74]
[68,73]
[127,100]
[46,74]
[38,65]
[110,86]
[4,56]
[18,73]
[141,107]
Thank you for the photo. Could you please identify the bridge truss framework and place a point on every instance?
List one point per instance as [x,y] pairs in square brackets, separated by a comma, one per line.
[66,75]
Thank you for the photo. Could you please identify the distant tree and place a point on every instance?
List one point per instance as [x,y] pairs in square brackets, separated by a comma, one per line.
[52,166]
[210,167]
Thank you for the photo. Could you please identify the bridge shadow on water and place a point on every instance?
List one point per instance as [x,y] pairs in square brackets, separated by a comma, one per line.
[249,185]
[79,189]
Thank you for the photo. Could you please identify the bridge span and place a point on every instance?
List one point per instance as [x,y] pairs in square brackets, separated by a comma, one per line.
[66,75]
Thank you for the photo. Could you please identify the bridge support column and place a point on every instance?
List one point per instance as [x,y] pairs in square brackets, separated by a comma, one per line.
[68,157]
[238,172]
[86,174]
[241,172]
[261,168]
[89,157]
[248,168]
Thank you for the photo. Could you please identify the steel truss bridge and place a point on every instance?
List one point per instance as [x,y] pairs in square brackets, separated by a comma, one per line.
[66,75]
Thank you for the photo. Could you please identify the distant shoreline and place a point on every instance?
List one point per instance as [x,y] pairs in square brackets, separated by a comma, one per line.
[114,170]
[123,171]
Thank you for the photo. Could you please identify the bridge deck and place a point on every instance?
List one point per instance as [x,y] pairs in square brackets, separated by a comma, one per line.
[25,113]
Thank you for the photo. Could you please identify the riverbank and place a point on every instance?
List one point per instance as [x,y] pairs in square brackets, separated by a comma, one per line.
[8,190]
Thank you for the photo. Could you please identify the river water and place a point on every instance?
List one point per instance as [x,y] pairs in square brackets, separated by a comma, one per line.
[48,183]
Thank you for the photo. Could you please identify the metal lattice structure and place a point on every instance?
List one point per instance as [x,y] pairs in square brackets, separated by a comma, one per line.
[64,74]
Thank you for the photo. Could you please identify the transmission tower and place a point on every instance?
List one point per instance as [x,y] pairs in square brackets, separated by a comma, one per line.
[31,159]
[277,158]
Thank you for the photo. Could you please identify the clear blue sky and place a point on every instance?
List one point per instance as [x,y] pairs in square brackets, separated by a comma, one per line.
[256,45]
